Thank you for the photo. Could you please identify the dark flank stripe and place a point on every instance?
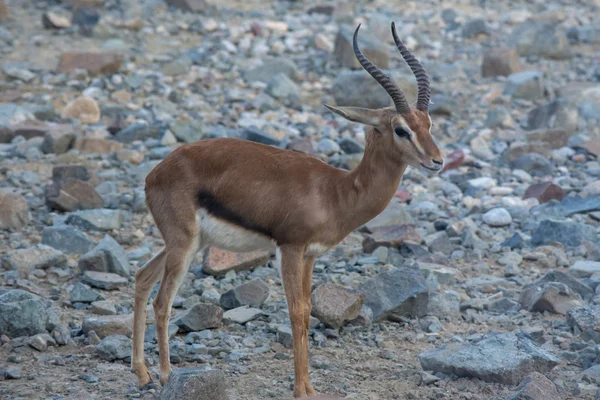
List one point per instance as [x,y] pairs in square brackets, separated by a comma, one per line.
[218,210]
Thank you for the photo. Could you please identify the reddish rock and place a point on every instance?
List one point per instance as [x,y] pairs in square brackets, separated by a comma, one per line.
[390,236]
[63,172]
[219,262]
[30,129]
[93,62]
[544,192]
[592,147]
[72,195]
[334,305]
[97,146]
[579,158]
[454,160]
[403,196]
[3,11]
[14,211]
[500,62]
[188,5]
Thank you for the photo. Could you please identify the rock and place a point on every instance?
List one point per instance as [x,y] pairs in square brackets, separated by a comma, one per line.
[585,321]
[334,305]
[39,256]
[535,164]
[188,5]
[104,280]
[41,341]
[284,335]
[93,62]
[104,307]
[454,160]
[18,73]
[58,139]
[544,192]
[442,105]
[502,306]
[394,214]
[193,384]
[218,262]
[444,305]
[22,314]
[401,291]
[328,147]
[201,316]
[3,11]
[444,275]
[96,220]
[541,39]
[371,47]
[585,269]
[66,239]
[504,358]
[560,114]
[570,234]
[62,173]
[72,195]
[390,236]
[84,294]
[270,68]
[259,136]
[565,278]
[475,27]
[241,315]
[108,325]
[553,297]
[501,61]
[536,387]
[97,146]
[585,34]
[52,20]
[114,347]
[14,211]
[359,89]
[85,17]
[499,118]
[253,294]
[85,109]
[137,131]
[107,256]
[577,204]
[497,217]
[282,87]
[526,85]
[552,138]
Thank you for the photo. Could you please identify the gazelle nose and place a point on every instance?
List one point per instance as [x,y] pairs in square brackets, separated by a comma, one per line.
[438,162]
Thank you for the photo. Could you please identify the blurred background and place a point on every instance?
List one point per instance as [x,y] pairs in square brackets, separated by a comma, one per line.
[482,282]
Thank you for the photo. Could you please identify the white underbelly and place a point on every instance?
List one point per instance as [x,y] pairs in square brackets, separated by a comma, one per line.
[227,236]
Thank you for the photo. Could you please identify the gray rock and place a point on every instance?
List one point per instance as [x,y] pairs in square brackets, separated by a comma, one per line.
[137,131]
[96,220]
[554,297]
[533,163]
[497,217]
[58,141]
[570,234]
[62,335]
[41,341]
[281,87]
[253,294]
[573,283]
[500,62]
[444,304]
[394,214]
[107,256]
[536,387]
[585,322]
[271,67]
[66,239]
[541,39]
[334,305]
[114,347]
[194,384]
[241,315]
[259,136]
[104,307]
[14,213]
[359,89]
[108,325]
[528,85]
[401,291]
[84,294]
[284,335]
[585,269]
[38,256]
[72,195]
[365,317]
[499,118]
[199,317]
[557,114]
[502,306]
[371,47]
[22,314]
[328,147]
[474,28]
[62,173]
[350,146]
[188,132]
[505,358]
[104,280]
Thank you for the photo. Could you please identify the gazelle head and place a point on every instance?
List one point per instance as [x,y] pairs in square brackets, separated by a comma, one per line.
[408,127]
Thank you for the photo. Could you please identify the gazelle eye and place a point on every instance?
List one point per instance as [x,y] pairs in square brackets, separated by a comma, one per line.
[401,132]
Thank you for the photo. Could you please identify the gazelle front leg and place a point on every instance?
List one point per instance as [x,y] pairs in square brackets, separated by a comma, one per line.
[292,274]
[307,289]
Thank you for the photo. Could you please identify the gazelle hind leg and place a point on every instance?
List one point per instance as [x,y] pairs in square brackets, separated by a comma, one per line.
[145,278]
[307,288]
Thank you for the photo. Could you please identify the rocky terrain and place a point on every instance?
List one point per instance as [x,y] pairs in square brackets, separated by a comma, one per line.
[482,282]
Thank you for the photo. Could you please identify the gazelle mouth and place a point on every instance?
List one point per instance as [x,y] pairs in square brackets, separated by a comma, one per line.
[434,169]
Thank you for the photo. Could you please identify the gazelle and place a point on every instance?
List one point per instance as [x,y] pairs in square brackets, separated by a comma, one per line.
[241,196]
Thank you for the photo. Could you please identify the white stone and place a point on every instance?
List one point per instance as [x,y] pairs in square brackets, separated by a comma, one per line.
[497,217]
[585,269]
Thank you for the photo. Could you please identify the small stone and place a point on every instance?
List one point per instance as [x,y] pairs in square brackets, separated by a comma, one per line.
[334,305]
[444,305]
[40,341]
[52,20]
[284,335]
[526,85]
[553,297]
[194,384]
[500,62]
[66,239]
[497,217]
[97,220]
[218,262]
[282,87]
[107,256]
[328,147]
[454,160]
[72,195]
[570,234]
[536,387]
[371,47]
[499,118]
[188,5]
[14,211]
[22,314]
[390,236]
[544,192]
[199,317]
[104,280]
[585,321]
[559,114]
[585,269]
[270,68]
[58,140]
[11,372]
[114,347]
[39,256]
[475,27]
[104,307]
[93,62]
[85,109]
[107,325]
[242,315]
[62,173]
[84,294]
[137,131]
[253,294]
[535,164]
[132,156]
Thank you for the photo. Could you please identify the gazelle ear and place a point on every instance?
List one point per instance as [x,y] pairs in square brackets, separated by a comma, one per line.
[357,114]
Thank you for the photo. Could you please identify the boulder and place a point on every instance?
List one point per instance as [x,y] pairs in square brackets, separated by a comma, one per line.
[334,305]
[22,314]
